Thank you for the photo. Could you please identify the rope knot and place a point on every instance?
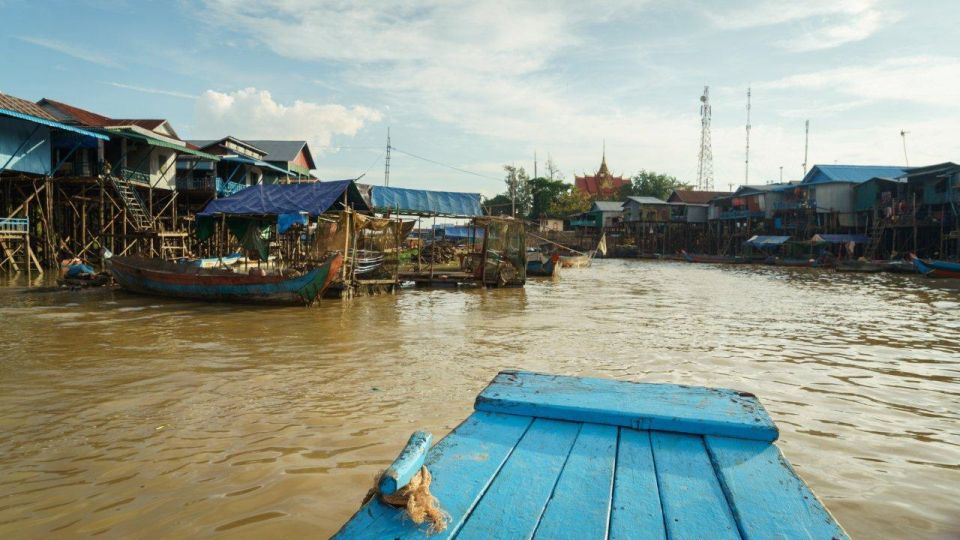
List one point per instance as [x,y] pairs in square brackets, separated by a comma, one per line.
[416,499]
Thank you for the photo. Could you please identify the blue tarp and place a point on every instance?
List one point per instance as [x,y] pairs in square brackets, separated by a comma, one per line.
[460,232]
[285,221]
[313,198]
[839,238]
[767,241]
[426,203]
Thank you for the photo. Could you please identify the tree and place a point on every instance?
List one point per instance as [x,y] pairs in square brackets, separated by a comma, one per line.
[553,172]
[571,201]
[651,184]
[543,192]
[499,205]
[518,188]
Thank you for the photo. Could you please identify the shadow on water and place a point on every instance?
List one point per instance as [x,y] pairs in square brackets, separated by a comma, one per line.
[129,416]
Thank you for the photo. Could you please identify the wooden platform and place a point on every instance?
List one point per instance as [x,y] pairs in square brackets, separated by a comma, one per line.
[562,457]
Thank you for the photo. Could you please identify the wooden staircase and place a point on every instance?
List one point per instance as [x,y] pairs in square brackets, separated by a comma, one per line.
[876,236]
[137,213]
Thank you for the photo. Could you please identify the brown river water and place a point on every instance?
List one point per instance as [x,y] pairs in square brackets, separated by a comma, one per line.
[136,417]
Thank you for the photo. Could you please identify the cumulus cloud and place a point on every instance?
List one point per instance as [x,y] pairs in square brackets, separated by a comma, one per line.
[252,113]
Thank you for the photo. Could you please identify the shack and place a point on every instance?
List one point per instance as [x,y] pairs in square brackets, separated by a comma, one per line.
[296,225]
[488,251]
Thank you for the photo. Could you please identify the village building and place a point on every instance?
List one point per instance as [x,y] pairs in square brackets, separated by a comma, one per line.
[602,215]
[602,185]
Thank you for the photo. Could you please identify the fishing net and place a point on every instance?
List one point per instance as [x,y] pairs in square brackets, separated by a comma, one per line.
[505,244]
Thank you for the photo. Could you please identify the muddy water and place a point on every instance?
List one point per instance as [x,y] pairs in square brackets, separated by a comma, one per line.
[123,416]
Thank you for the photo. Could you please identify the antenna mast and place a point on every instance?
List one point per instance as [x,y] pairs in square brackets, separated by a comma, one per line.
[386,170]
[746,172]
[806,145]
[903,135]
[705,168]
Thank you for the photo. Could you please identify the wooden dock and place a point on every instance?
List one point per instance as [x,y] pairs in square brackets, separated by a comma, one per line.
[563,457]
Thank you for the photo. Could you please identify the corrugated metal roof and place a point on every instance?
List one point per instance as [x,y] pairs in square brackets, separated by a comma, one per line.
[282,150]
[690,196]
[257,162]
[646,200]
[13,103]
[821,174]
[161,143]
[607,206]
[53,124]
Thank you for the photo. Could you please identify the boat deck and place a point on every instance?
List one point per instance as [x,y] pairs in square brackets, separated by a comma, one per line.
[561,457]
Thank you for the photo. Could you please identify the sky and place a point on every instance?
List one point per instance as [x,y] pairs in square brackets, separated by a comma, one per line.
[466,87]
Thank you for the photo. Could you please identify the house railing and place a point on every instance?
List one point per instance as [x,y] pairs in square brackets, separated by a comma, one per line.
[14,225]
[132,175]
[794,205]
[740,214]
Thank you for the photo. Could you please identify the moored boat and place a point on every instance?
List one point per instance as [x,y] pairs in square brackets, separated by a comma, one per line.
[542,265]
[162,278]
[571,457]
[212,262]
[936,269]
[715,259]
[900,267]
[576,261]
[859,265]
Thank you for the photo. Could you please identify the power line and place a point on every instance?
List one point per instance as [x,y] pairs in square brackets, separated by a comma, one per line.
[395,149]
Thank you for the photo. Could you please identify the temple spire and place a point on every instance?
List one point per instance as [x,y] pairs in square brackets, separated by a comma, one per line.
[604,171]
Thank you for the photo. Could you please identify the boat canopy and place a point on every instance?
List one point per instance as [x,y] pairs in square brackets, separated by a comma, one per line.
[767,241]
[422,202]
[312,199]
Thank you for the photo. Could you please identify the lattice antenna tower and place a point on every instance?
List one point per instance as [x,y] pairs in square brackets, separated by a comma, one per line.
[386,169]
[746,171]
[705,168]
[806,145]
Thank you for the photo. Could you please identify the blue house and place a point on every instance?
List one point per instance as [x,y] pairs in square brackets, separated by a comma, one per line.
[829,189]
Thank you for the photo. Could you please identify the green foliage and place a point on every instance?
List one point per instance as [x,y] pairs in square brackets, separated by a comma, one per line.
[499,205]
[518,188]
[651,184]
[544,192]
[571,201]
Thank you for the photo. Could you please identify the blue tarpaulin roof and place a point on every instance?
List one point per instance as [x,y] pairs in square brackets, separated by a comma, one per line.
[314,199]
[767,241]
[50,123]
[839,238]
[822,174]
[460,231]
[424,202]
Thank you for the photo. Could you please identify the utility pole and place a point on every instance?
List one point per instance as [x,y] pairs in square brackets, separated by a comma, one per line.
[806,145]
[386,170]
[534,163]
[781,174]
[705,167]
[746,173]
[903,135]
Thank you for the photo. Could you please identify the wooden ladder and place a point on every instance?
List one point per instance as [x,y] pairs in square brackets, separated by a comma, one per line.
[136,211]
[173,245]
[876,236]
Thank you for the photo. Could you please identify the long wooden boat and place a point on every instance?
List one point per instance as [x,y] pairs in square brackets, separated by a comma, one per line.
[715,259]
[568,457]
[900,267]
[869,267]
[936,269]
[162,278]
[541,265]
[576,261]
[793,262]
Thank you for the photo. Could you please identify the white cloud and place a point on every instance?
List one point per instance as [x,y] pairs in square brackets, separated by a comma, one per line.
[71,50]
[252,113]
[147,90]
[822,24]
[931,80]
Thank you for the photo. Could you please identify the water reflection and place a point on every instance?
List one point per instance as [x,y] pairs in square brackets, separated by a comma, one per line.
[128,416]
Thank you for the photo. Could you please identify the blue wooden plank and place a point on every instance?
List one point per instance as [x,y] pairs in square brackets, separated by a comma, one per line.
[580,505]
[407,464]
[512,506]
[767,497]
[636,510]
[665,407]
[694,505]
[462,465]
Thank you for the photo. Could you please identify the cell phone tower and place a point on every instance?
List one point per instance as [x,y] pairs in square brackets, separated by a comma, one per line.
[705,168]
[746,171]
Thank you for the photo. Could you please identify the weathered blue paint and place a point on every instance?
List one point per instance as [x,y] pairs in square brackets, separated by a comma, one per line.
[512,506]
[755,476]
[587,476]
[518,476]
[462,465]
[407,464]
[24,146]
[636,509]
[665,407]
[694,505]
